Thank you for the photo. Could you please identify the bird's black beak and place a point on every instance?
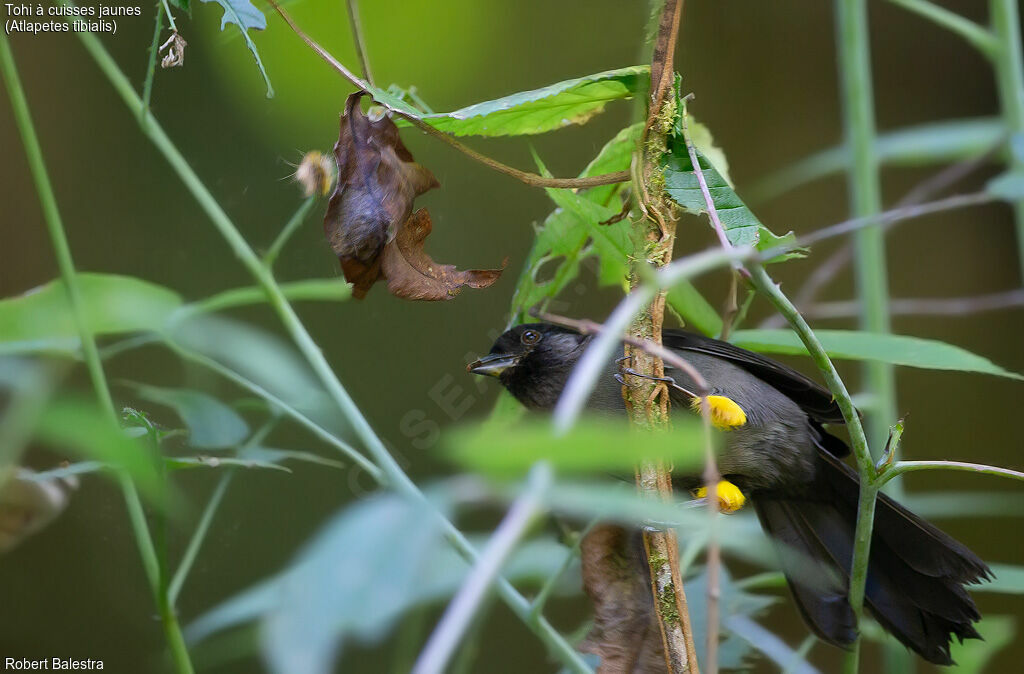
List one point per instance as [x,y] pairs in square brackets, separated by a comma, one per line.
[494,364]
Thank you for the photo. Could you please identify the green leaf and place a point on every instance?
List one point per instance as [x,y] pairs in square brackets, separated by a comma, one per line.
[187,462]
[956,504]
[1008,186]
[41,319]
[361,571]
[920,145]
[270,455]
[855,345]
[686,300]
[972,656]
[80,427]
[1009,579]
[183,5]
[593,445]
[320,289]
[561,240]
[734,651]
[263,359]
[540,110]
[741,226]
[613,243]
[244,14]
[211,423]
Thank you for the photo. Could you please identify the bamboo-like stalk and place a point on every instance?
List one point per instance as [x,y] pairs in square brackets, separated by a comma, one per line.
[871,275]
[1009,66]
[65,262]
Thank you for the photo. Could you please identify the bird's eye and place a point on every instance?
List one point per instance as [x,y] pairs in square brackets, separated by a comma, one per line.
[530,337]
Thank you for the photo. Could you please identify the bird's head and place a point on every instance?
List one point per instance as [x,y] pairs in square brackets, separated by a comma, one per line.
[533,361]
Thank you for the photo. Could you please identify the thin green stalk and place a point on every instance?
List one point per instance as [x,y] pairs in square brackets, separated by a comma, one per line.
[62,250]
[902,467]
[286,232]
[170,17]
[977,36]
[1009,65]
[357,37]
[212,506]
[393,475]
[198,536]
[147,87]
[318,430]
[858,438]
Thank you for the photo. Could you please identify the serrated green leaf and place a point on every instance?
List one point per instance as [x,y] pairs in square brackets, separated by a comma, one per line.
[856,345]
[612,242]
[593,445]
[741,225]
[564,235]
[244,14]
[211,423]
[540,110]
[41,319]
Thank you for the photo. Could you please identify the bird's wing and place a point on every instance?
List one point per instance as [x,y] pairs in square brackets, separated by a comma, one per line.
[812,398]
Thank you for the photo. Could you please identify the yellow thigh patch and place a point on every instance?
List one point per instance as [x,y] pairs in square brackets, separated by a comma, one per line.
[725,413]
[730,498]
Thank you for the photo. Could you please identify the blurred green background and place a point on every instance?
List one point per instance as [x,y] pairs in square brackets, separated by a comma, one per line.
[764,76]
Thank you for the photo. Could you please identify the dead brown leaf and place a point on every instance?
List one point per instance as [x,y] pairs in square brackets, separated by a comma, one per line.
[412,274]
[615,576]
[377,183]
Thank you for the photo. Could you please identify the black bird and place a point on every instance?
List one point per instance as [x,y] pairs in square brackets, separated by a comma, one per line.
[804,494]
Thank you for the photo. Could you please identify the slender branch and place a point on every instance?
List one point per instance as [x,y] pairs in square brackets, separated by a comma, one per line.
[147,87]
[901,467]
[286,232]
[541,600]
[170,17]
[647,402]
[977,36]
[861,451]
[350,452]
[62,251]
[445,640]
[526,177]
[198,536]
[357,36]
[828,270]
[924,306]
[392,474]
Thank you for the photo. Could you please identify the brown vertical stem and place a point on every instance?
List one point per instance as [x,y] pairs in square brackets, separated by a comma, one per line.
[647,401]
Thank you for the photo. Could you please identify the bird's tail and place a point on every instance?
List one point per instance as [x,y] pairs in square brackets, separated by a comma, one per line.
[916,573]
